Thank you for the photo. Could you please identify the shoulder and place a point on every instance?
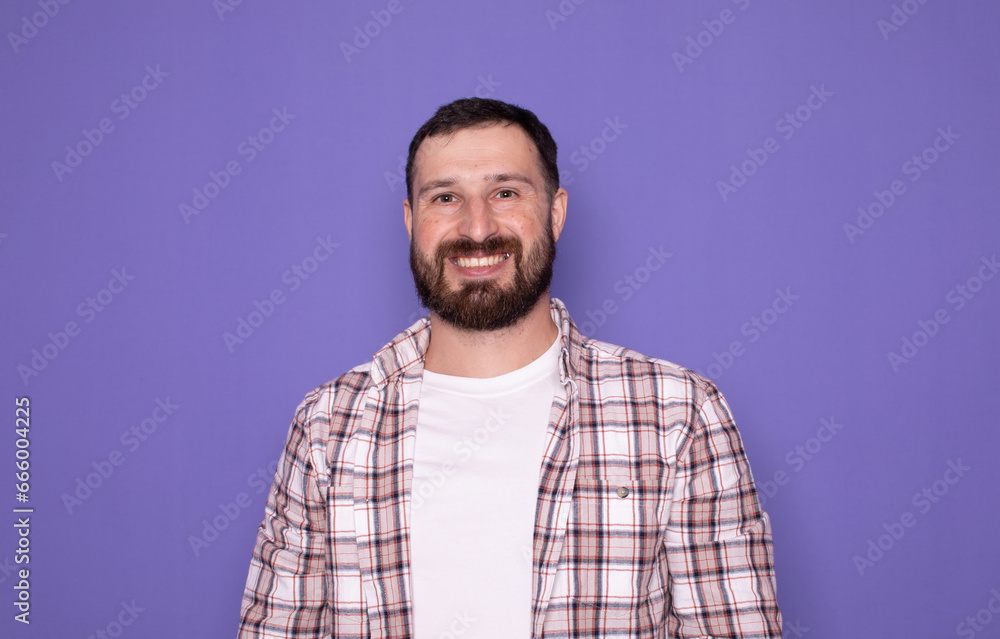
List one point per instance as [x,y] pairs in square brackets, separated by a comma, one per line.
[651,395]
[336,402]
[607,361]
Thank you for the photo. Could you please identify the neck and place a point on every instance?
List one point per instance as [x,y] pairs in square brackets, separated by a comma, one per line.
[464,353]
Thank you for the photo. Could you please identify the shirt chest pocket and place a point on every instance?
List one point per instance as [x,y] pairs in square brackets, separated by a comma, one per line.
[612,544]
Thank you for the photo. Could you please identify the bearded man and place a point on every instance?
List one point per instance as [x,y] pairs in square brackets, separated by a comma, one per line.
[494,473]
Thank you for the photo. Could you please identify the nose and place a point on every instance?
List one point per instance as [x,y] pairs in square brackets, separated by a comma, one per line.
[479,221]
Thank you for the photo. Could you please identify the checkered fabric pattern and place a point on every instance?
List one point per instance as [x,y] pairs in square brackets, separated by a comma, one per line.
[647,522]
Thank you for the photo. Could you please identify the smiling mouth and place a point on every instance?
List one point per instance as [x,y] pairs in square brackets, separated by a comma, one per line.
[479,262]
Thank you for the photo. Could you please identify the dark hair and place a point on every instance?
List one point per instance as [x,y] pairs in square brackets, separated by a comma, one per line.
[477,112]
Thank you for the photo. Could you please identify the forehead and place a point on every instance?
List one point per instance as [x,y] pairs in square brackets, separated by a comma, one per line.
[467,153]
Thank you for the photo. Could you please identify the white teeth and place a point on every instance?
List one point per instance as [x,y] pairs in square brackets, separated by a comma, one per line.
[473,262]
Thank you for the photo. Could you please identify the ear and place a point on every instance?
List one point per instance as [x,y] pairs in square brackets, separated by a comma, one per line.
[408,218]
[559,212]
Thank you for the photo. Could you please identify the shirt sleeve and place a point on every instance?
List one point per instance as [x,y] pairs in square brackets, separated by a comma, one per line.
[285,592]
[718,539]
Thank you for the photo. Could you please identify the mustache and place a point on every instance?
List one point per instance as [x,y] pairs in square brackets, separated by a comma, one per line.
[464,247]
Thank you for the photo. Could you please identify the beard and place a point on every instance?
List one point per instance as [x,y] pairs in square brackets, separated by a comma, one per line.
[485,305]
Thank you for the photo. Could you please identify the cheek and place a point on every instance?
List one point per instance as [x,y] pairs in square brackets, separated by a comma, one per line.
[427,233]
[529,231]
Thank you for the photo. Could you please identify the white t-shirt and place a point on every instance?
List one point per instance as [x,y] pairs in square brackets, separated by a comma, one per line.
[478,458]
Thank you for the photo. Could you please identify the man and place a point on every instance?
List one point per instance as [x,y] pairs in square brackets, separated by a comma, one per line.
[493,473]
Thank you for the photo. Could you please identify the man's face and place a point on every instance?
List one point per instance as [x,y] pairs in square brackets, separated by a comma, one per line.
[482,228]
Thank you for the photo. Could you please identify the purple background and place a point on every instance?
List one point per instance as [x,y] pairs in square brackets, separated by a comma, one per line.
[332,173]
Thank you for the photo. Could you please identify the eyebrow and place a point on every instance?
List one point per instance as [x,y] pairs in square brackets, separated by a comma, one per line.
[494,177]
[509,177]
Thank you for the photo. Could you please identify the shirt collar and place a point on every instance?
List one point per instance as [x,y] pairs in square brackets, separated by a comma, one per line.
[405,353]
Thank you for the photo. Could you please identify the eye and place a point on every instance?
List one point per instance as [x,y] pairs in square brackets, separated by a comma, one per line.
[506,194]
[445,198]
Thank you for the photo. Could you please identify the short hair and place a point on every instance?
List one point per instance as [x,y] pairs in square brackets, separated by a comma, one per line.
[468,113]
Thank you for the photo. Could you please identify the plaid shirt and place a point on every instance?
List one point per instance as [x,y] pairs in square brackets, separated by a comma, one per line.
[647,522]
